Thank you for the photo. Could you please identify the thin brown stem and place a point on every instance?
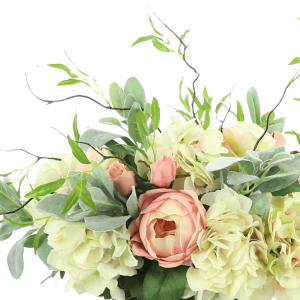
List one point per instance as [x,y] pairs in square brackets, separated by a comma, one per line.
[191,67]
[16,210]
[38,157]
[269,115]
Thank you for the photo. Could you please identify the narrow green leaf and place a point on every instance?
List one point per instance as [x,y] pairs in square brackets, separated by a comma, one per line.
[86,198]
[293,188]
[133,204]
[155,111]
[159,46]
[254,106]
[240,113]
[72,199]
[5,175]
[132,123]
[71,82]
[64,68]
[297,99]
[297,135]
[147,110]
[264,118]
[75,128]
[76,67]
[296,60]
[143,39]
[207,117]
[141,122]
[154,29]
[183,36]
[220,103]
[199,105]
[78,152]
[111,121]
[46,189]
[139,150]
[37,237]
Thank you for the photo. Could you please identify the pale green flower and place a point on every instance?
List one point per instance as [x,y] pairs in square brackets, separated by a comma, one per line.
[95,260]
[232,257]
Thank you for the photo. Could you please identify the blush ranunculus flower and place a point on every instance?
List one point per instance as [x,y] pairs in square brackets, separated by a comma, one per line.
[242,136]
[163,171]
[122,179]
[168,226]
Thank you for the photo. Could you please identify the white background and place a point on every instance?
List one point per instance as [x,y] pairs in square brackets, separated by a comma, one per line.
[245,42]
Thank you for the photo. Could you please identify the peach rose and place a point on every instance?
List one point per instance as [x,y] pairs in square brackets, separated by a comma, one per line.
[242,136]
[279,138]
[168,226]
[123,180]
[163,171]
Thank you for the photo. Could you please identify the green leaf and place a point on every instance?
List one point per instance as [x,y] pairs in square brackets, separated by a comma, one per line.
[184,114]
[15,259]
[64,68]
[73,198]
[129,101]
[111,121]
[182,38]
[157,32]
[86,198]
[139,150]
[5,175]
[132,123]
[107,184]
[297,99]
[75,128]
[220,103]
[254,106]
[293,188]
[8,228]
[78,152]
[260,204]
[133,204]
[155,111]
[105,223]
[236,178]
[71,82]
[159,46]
[53,205]
[165,283]
[5,237]
[264,118]
[141,122]
[147,110]
[296,60]
[207,116]
[46,189]
[44,250]
[270,153]
[222,162]
[37,237]
[97,138]
[117,97]
[134,88]
[119,148]
[240,113]
[199,105]
[52,275]
[144,39]
[297,135]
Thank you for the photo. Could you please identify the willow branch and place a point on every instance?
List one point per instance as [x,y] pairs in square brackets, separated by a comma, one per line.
[76,96]
[269,115]
[191,67]
[16,210]
[104,157]
[38,157]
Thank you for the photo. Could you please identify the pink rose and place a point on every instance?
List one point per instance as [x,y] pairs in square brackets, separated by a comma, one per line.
[123,180]
[280,139]
[163,172]
[168,226]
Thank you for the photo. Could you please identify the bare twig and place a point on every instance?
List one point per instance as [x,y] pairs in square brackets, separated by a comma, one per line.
[269,115]
[76,96]
[38,157]
[229,109]
[116,157]
[16,210]
[184,58]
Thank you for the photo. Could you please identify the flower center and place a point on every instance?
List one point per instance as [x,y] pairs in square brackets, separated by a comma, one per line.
[164,228]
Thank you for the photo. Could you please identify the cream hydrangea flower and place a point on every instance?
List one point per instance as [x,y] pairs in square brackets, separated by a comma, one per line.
[284,241]
[232,255]
[52,171]
[95,260]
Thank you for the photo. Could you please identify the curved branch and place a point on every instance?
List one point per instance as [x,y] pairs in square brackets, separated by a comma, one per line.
[38,157]
[16,210]
[76,96]
[269,115]
[191,67]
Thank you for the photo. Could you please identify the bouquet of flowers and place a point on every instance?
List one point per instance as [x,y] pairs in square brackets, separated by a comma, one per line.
[183,212]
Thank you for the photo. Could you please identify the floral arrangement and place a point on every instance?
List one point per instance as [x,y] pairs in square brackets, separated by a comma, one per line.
[183,212]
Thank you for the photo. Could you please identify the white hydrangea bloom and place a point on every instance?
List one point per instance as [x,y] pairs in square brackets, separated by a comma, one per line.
[95,260]
[52,171]
[232,257]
